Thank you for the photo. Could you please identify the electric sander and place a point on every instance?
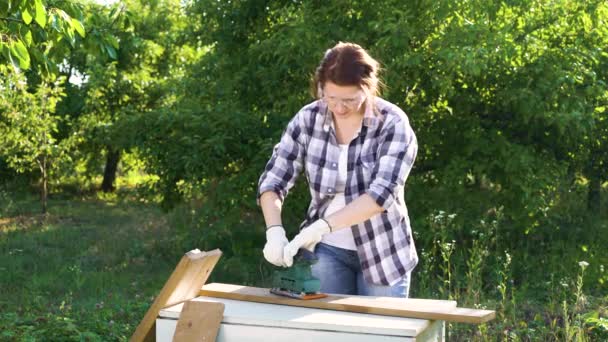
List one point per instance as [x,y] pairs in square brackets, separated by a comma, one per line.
[297,281]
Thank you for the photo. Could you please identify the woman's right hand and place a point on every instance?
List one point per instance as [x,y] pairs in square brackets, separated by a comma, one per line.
[276,240]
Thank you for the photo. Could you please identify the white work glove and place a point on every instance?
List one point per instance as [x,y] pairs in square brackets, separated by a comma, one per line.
[308,238]
[275,242]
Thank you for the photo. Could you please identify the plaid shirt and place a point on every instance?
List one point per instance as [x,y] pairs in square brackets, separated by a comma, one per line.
[380,158]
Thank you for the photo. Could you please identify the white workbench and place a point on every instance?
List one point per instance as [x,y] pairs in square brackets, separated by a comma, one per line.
[250,321]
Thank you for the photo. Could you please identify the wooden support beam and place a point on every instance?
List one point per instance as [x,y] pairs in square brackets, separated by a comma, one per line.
[184,284]
[199,322]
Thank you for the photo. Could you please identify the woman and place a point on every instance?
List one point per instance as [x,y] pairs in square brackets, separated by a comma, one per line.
[356,150]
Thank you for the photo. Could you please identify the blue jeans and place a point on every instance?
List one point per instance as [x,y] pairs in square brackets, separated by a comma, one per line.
[340,272]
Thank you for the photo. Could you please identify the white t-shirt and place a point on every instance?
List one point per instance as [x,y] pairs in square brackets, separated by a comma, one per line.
[342,238]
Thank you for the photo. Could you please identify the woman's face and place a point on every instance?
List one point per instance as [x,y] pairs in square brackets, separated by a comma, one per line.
[344,101]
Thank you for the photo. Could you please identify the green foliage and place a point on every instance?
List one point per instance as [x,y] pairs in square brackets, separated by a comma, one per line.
[86,271]
[102,322]
[28,127]
[598,326]
[100,287]
[33,135]
[38,32]
[146,52]
[27,123]
[502,96]
[508,100]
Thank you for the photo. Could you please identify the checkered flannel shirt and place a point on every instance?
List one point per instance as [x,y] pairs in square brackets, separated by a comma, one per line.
[380,158]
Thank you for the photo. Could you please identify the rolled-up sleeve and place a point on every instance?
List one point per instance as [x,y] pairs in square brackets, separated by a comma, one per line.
[285,165]
[396,154]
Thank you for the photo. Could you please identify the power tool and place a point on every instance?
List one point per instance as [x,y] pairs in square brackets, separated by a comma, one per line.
[297,281]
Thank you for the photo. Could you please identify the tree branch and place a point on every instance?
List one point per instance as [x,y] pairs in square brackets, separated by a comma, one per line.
[13,20]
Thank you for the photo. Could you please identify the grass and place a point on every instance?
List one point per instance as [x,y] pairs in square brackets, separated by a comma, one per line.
[92,263]
[90,268]
[549,296]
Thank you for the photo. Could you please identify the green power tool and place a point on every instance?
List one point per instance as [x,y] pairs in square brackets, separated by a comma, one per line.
[297,281]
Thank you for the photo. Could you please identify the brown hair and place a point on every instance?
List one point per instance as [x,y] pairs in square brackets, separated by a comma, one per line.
[347,64]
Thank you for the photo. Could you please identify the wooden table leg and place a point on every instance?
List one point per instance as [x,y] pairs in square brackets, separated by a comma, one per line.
[199,322]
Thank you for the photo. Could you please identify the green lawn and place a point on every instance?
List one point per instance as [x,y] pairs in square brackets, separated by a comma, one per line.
[88,269]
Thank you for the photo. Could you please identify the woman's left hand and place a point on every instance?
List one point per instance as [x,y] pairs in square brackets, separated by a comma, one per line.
[308,238]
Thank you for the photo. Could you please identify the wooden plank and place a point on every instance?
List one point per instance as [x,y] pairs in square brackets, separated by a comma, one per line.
[184,284]
[257,333]
[199,321]
[400,307]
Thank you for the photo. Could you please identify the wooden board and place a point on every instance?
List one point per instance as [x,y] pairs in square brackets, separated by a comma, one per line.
[199,321]
[400,307]
[184,284]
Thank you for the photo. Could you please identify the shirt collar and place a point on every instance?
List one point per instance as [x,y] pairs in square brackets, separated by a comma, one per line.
[370,118]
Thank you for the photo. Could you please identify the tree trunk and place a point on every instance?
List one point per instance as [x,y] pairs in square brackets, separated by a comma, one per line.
[109,174]
[44,188]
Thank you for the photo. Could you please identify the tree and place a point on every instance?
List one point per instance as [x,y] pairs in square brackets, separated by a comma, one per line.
[502,97]
[43,38]
[133,82]
[38,32]
[27,127]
